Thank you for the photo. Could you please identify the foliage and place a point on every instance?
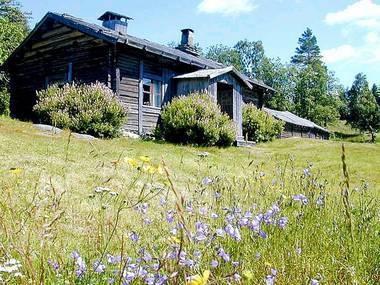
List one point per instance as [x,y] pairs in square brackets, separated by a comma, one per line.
[376,93]
[308,51]
[312,99]
[107,212]
[364,110]
[225,55]
[281,77]
[259,126]
[196,119]
[251,54]
[91,109]
[13,29]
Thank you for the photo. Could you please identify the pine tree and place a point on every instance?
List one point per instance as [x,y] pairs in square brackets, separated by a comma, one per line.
[308,50]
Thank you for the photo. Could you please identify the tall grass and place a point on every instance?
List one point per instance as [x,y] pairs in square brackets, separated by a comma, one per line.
[288,225]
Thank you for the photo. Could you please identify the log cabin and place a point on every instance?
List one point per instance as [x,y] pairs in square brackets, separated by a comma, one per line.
[144,75]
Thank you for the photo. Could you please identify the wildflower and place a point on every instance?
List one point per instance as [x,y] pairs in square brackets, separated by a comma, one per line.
[314,282]
[320,200]
[11,266]
[235,263]
[99,267]
[199,280]
[282,222]
[134,237]
[298,251]
[201,231]
[54,265]
[101,189]
[270,279]
[233,232]
[247,275]
[220,232]
[301,198]
[113,259]
[203,154]
[225,256]
[170,216]
[132,162]
[203,211]
[207,181]
[214,263]
[214,215]
[144,158]
[15,170]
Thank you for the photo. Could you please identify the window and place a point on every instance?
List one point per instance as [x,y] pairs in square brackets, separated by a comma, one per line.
[60,78]
[152,94]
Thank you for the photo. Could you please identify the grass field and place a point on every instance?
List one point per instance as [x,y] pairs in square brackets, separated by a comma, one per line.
[142,212]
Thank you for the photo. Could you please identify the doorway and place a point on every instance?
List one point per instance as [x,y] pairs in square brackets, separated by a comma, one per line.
[225,98]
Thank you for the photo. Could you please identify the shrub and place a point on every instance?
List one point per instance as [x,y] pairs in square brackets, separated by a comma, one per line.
[4,95]
[91,109]
[4,102]
[259,126]
[196,119]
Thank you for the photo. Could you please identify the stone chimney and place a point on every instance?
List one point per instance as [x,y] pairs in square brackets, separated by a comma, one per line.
[187,42]
[115,21]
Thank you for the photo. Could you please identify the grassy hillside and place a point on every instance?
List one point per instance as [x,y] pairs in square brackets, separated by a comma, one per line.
[148,212]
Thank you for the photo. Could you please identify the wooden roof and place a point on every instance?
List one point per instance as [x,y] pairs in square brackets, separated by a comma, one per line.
[213,73]
[291,118]
[115,37]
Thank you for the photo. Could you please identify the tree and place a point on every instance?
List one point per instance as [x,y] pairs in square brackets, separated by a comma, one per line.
[281,77]
[225,55]
[364,110]
[308,50]
[13,29]
[376,93]
[252,55]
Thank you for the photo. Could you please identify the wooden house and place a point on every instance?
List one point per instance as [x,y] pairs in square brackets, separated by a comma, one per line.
[298,127]
[144,75]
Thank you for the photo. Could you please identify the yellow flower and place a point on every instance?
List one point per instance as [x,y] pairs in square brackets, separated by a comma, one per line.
[248,275]
[149,169]
[15,171]
[199,280]
[132,162]
[174,239]
[144,158]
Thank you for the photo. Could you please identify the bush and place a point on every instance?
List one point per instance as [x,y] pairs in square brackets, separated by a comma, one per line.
[196,119]
[4,102]
[4,94]
[259,126]
[90,109]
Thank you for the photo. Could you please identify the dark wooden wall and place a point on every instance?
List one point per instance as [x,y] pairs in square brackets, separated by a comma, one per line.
[134,65]
[48,55]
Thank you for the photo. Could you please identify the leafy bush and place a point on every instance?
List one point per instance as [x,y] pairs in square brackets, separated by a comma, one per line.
[4,94]
[259,126]
[4,102]
[196,119]
[91,109]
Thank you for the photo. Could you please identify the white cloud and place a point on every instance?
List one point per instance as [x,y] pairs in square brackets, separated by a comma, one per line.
[226,7]
[363,18]
[344,52]
[364,13]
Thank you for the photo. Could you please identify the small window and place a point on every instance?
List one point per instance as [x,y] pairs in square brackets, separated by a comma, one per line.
[152,94]
[60,78]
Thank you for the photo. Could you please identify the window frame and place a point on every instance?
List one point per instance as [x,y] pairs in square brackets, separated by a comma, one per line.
[153,83]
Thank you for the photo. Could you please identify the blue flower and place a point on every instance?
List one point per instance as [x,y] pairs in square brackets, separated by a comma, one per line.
[301,198]
[282,222]
[99,267]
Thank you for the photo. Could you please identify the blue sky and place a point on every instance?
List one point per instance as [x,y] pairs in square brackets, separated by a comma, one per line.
[348,32]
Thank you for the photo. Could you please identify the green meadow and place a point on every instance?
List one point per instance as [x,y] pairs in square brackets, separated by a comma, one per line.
[127,211]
